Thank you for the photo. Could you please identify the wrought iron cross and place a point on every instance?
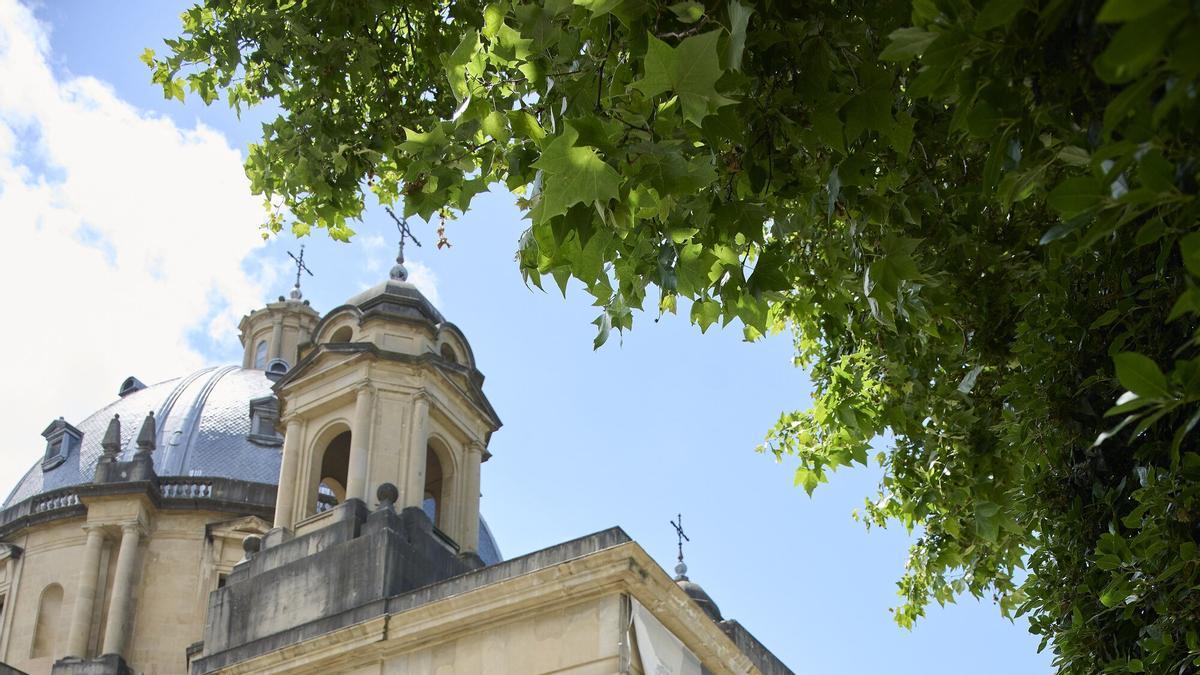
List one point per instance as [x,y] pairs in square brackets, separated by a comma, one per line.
[405,233]
[300,266]
[679,534]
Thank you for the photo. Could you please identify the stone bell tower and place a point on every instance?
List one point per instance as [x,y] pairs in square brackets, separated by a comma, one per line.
[386,391]
[385,427]
[271,336]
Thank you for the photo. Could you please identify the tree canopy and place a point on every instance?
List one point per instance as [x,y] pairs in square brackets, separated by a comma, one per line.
[977,218]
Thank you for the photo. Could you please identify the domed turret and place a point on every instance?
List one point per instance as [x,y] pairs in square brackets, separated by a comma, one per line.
[693,590]
[386,391]
[696,592]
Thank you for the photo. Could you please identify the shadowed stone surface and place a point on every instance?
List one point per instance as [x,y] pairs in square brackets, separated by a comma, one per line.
[353,562]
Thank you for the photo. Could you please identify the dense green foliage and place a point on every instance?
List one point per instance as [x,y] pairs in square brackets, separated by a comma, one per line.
[979,219]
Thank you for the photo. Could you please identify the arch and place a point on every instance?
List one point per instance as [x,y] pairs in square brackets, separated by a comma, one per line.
[438,498]
[341,334]
[332,464]
[46,629]
[449,334]
[448,353]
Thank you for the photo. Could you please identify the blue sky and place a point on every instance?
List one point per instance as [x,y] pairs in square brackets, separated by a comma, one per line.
[662,421]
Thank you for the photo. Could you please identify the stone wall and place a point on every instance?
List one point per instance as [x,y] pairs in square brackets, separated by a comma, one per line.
[579,639]
[182,560]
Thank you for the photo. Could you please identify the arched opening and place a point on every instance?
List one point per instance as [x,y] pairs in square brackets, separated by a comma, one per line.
[439,468]
[448,353]
[342,334]
[260,355]
[45,632]
[335,465]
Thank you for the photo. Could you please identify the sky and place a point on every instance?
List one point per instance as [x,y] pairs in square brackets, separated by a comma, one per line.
[131,247]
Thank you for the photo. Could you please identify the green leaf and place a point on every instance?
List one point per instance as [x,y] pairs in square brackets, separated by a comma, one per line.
[1189,246]
[1138,44]
[1118,11]
[1075,195]
[495,124]
[456,64]
[574,175]
[603,325]
[1074,155]
[997,13]
[1141,375]
[806,478]
[1149,233]
[691,70]
[705,313]
[1060,230]
[599,7]
[688,11]
[905,43]
[739,19]
[1106,318]
[493,18]
[833,187]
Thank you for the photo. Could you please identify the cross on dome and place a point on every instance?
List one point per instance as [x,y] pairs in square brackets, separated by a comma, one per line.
[681,568]
[399,272]
[300,267]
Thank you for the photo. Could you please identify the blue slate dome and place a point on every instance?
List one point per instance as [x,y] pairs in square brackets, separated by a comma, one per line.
[204,428]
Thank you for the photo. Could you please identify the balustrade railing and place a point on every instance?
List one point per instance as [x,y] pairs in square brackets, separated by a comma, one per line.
[176,491]
[51,501]
[186,488]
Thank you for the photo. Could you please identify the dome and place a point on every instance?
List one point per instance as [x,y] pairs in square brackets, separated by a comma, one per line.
[398,298]
[203,424]
[203,429]
[698,594]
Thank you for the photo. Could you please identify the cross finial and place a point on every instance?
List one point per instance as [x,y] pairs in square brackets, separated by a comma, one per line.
[399,273]
[681,568]
[300,267]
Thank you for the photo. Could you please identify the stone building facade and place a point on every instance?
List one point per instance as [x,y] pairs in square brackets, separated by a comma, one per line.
[316,510]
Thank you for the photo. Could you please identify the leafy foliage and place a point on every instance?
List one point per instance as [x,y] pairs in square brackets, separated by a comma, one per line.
[978,220]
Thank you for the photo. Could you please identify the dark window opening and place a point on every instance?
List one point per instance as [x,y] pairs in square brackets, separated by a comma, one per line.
[335,465]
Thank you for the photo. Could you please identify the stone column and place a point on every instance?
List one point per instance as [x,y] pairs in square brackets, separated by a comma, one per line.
[414,479]
[285,495]
[470,532]
[360,442]
[124,588]
[85,593]
[276,350]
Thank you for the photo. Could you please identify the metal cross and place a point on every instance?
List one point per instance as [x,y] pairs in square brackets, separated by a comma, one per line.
[679,533]
[405,233]
[300,266]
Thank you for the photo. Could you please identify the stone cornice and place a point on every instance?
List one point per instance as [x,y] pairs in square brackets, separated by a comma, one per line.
[171,493]
[453,608]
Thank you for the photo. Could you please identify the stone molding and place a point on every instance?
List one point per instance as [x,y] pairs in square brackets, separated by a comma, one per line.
[502,593]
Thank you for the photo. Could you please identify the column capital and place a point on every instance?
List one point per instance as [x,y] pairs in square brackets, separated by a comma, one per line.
[364,388]
[421,396]
[475,447]
[133,527]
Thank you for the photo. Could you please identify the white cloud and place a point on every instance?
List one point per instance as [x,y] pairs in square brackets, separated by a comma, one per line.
[425,280]
[123,234]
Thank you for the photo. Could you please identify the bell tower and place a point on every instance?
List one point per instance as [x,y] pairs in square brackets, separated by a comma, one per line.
[271,336]
[386,391]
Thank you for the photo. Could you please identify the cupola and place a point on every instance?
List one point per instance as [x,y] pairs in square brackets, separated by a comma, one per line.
[386,391]
[271,336]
